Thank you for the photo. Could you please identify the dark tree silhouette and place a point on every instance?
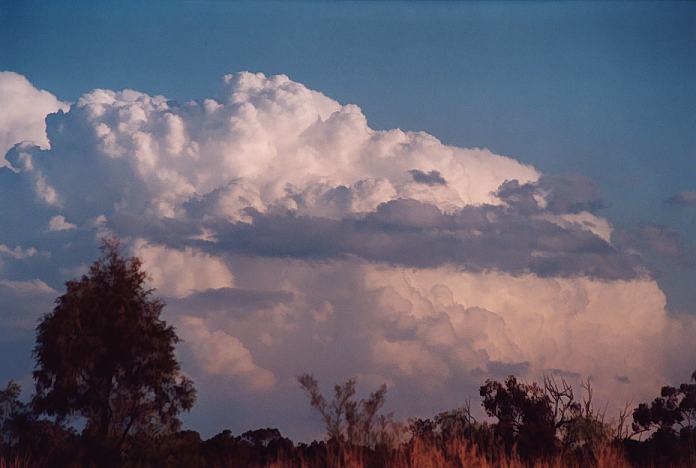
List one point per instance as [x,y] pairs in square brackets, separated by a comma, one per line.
[673,411]
[672,419]
[104,354]
[524,413]
[540,420]
[346,418]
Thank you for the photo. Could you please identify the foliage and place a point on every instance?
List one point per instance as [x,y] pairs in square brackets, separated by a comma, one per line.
[345,418]
[524,414]
[104,354]
[671,418]
[351,423]
[24,434]
[10,409]
[542,420]
[674,409]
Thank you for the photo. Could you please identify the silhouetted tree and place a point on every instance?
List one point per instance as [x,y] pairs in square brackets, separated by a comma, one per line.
[579,427]
[524,413]
[344,417]
[539,420]
[351,425]
[672,418]
[11,408]
[25,436]
[105,354]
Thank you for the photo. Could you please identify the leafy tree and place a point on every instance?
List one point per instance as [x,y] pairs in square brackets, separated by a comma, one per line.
[672,419]
[25,436]
[540,420]
[10,410]
[524,413]
[104,354]
[673,411]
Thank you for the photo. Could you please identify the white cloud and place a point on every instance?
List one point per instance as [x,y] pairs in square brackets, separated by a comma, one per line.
[263,142]
[584,220]
[35,286]
[58,223]
[181,272]
[222,354]
[24,109]
[18,253]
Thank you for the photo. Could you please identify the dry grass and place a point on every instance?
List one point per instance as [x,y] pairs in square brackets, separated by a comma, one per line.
[456,453]
[14,463]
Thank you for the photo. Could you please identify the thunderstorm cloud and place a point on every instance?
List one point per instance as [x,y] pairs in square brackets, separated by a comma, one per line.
[287,236]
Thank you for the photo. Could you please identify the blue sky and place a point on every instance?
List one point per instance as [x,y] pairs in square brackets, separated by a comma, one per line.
[602,89]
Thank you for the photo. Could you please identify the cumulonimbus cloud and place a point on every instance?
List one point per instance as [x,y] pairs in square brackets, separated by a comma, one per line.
[288,236]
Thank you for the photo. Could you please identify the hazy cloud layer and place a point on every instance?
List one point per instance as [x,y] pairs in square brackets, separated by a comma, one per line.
[686,198]
[287,236]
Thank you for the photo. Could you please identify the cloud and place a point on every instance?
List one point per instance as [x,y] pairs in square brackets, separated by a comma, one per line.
[269,167]
[686,198]
[223,354]
[428,178]
[571,193]
[659,240]
[225,299]
[411,233]
[435,334]
[21,304]
[262,143]
[24,109]
[556,194]
[18,253]
[179,273]
[58,223]
[288,236]
[28,288]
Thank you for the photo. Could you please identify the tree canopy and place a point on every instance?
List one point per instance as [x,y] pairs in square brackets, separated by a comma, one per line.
[105,354]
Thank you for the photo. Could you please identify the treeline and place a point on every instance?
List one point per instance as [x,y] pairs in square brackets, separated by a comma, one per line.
[530,425]
[105,363]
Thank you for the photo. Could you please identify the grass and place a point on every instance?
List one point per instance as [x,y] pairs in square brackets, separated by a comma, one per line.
[458,453]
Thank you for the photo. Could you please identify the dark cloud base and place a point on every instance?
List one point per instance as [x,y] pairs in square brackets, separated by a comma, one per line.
[406,232]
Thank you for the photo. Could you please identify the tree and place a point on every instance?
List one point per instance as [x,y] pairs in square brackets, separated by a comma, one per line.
[674,409]
[672,419]
[104,354]
[352,426]
[23,436]
[539,420]
[344,417]
[11,408]
[524,413]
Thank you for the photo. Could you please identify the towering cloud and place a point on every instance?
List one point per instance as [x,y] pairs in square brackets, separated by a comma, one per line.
[24,109]
[288,236]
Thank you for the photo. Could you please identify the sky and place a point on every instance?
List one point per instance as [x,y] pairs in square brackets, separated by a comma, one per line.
[425,194]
